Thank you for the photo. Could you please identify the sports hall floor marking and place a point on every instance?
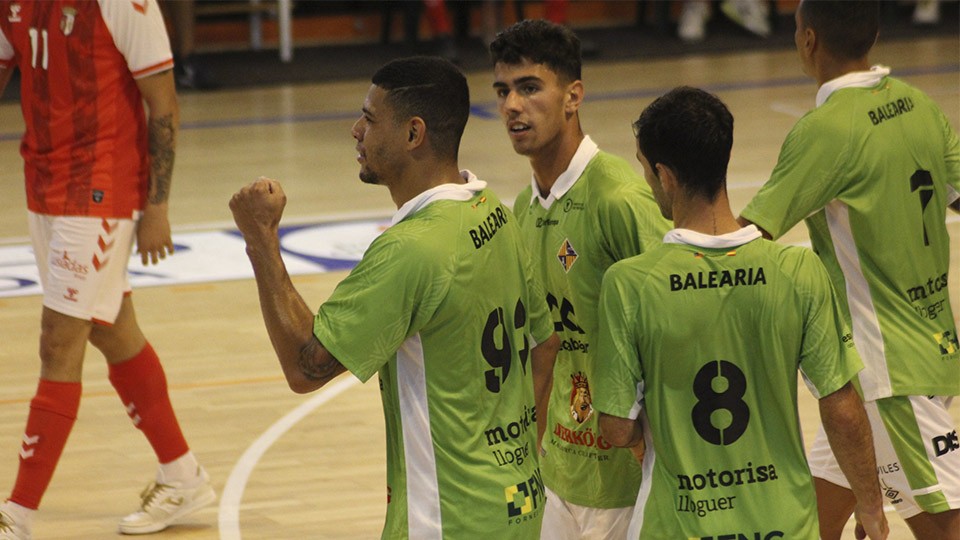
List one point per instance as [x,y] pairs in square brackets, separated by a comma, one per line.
[229,511]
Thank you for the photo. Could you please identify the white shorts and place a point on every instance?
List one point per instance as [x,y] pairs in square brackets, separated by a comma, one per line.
[918,454]
[83,263]
[566,521]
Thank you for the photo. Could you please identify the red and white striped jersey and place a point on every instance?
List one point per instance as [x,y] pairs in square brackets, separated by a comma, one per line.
[85,146]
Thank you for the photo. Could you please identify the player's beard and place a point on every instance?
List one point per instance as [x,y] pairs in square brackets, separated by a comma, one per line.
[369,177]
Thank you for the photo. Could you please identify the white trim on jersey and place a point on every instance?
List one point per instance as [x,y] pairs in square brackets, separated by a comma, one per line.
[854,79]
[867,335]
[584,154]
[423,490]
[139,34]
[638,405]
[952,195]
[453,192]
[649,459]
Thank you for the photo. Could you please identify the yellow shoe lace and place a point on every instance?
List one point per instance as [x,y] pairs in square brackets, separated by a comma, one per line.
[150,493]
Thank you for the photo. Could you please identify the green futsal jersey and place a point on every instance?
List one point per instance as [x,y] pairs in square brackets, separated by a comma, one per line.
[713,330]
[600,211]
[442,306]
[870,170]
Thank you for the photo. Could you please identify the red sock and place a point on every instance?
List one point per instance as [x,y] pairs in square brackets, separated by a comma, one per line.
[142,386]
[53,411]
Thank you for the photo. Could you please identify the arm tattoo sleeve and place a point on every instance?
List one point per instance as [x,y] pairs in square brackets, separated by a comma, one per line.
[160,133]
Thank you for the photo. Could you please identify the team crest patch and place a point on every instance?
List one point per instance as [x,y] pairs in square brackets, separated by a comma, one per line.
[567,255]
[67,19]
[581,404]
[947,341]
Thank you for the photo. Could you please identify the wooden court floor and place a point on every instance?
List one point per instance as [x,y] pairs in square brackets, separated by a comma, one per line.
[289,466]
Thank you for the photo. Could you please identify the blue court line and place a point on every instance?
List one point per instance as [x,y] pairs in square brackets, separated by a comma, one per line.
[487,110]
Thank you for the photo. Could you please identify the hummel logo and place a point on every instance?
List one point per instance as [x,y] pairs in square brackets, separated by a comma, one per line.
[28,441]
[132,413]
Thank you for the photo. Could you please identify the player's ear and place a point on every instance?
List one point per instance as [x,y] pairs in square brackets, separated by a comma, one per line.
[574,97]
[416,131]
[667,176]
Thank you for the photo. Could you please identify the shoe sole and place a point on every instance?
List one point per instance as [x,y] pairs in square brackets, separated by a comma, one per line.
[199,502]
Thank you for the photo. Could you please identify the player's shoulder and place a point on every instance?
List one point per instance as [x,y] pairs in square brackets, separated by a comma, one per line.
[799,264]
[610,169]
[523,199]
[637,269]
[612,181]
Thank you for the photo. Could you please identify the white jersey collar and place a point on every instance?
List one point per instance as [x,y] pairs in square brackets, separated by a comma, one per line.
[724,241]
[855,79]
[454,192]
[565,181]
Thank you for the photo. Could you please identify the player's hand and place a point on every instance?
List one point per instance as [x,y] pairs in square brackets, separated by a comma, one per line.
[257,207]
[871,524]
[154,241]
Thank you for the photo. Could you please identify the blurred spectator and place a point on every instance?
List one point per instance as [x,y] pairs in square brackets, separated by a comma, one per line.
[926,12]
[754,15]
[181,16]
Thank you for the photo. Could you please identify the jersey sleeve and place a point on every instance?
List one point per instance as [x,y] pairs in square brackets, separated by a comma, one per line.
[374,309]
[630,222]
[804,180]
[618,372]
[951,157]
[139,33]
[828,358]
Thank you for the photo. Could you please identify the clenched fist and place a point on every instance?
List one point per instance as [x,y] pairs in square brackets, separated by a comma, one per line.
[257,208]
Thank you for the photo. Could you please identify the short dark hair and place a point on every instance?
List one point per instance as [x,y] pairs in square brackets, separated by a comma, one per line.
[847,28]
[690,131]
[433,89]
[540,42]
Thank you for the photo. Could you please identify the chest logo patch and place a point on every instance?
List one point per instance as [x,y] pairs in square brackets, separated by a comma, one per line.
[567,255]
[67,20]
[581,404]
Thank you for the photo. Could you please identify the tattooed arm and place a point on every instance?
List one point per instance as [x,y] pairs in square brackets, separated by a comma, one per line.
[154,241]
[305,362]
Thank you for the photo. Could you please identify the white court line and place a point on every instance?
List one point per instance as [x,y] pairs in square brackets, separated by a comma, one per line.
[229,512]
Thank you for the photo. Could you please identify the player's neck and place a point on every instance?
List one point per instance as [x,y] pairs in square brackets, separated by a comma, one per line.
[553,160]
[829,68]
[423,179]
[707,217]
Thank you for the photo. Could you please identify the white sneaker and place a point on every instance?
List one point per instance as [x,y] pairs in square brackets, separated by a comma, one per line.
[162,504]
[693,20]
[10,529]
[750,14]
